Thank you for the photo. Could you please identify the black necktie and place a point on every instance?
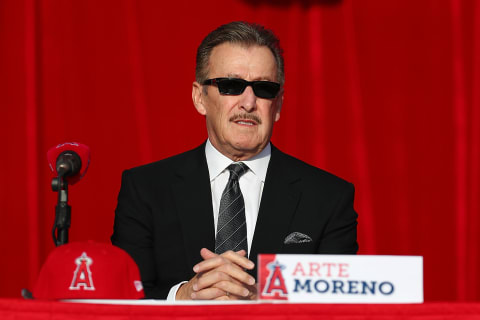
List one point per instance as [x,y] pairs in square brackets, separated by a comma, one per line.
[231,226]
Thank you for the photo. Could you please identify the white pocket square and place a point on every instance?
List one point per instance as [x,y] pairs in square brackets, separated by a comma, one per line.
[297,237]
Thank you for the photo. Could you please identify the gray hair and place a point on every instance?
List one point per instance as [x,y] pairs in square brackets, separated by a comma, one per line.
[243,33]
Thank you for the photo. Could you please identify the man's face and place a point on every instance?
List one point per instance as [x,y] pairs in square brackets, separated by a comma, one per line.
[239,126]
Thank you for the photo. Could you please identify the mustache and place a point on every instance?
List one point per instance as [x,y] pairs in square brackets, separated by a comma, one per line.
[246,116]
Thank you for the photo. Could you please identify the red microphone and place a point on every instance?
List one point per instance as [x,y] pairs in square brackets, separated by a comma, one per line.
[69,160]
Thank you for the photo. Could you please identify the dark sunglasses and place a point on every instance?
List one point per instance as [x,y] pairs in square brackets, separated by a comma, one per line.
[235,86]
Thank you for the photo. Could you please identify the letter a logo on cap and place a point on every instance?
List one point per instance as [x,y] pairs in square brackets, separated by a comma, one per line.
[82,277]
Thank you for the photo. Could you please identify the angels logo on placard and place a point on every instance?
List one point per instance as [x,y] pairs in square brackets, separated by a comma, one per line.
[272,283]
[82,277]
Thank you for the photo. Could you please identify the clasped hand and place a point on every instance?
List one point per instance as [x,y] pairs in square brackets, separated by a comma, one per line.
[220,277]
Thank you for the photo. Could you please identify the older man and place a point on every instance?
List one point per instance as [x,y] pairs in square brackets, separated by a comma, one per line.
[195,222]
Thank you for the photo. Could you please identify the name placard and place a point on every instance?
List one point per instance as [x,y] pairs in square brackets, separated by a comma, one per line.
[340,278]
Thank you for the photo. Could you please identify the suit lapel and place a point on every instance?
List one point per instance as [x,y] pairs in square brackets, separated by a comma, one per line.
[193,200]
[277,207]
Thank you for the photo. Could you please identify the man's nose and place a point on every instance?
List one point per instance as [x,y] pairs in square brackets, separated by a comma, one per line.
[248,99]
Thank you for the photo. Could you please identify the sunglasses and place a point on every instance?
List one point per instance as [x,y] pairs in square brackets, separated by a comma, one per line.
[235,86]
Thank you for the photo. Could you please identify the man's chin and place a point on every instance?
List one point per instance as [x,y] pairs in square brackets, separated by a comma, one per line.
[240,149]
[248,148]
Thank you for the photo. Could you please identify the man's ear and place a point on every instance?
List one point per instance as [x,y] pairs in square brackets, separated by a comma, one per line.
[278,105]
[197,97]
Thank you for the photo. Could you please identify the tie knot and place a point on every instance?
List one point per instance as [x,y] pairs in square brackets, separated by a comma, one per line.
[237,169]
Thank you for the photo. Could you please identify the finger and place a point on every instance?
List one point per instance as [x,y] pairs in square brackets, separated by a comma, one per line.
[233,288]
[234,272]
[237,273]
[251,296]
[207,254]
[210,264]
[226,272]
[242,252]
[213,260]
[208,279]
[251,288]
[239,258]
[207,294]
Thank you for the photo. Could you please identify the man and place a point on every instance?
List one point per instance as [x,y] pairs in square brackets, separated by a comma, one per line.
[195,222]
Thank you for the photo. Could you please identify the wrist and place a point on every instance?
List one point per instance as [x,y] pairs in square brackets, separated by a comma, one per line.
[182,292]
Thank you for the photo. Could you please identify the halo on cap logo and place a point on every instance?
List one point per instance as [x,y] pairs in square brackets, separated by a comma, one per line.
[82,277]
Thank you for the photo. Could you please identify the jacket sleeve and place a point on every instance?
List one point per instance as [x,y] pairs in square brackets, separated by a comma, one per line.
[340,234]
[133,232]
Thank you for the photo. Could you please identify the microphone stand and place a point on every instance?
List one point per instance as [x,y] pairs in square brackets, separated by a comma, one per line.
[62,211]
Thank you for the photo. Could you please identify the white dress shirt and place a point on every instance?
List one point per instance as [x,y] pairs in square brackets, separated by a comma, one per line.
[251,185]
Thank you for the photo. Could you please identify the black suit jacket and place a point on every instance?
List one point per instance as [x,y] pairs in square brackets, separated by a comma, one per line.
[164,215]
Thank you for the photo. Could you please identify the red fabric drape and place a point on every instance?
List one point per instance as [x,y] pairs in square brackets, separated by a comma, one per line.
[385,94]
[21,309]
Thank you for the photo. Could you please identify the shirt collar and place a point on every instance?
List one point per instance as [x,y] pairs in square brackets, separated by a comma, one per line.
[217,162]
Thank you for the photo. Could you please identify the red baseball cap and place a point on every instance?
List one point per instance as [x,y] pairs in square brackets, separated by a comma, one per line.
[88,270]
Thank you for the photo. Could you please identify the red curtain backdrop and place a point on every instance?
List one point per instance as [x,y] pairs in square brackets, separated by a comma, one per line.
[385,94]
